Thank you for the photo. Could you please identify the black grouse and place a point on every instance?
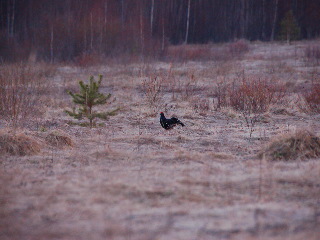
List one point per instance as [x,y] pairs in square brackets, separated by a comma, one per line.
[167,123]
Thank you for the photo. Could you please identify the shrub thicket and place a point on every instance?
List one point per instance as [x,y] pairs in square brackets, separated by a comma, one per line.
[21,86]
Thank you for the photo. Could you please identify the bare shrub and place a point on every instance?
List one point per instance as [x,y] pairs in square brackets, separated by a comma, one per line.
[221,94]
[152,88]
[20,91]
[238,47]
[255,94]
[311,99]
[300,145]
[201,104]
[312,53]
[250,95]
[189,87]
[18,144]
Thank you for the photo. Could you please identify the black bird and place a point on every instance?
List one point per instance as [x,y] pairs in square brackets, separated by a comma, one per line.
[167,123]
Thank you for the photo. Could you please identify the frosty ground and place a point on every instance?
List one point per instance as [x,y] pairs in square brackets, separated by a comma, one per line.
[131,179]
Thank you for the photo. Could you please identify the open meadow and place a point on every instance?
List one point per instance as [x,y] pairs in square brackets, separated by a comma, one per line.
[219,177]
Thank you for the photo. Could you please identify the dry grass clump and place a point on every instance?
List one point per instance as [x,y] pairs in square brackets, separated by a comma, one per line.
[18,144]
[152,88]
[300,145]
[311,99]
[58,139]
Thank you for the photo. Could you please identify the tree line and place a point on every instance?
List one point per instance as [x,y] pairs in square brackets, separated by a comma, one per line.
[62,30]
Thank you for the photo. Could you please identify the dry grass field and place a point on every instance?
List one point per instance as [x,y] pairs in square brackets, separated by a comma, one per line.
[128,178]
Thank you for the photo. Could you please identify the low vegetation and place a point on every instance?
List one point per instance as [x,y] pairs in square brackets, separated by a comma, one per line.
[311,99]
[130,178]
[58,139]
[301,145]
[21,88]
[252,96]
[18,144]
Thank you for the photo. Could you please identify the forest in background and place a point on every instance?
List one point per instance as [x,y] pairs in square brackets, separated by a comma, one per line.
[65,30]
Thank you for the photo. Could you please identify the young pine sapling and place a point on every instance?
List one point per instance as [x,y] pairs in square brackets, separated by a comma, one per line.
[88,97]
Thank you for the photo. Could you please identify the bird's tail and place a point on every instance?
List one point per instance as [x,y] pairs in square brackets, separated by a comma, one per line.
[181,123]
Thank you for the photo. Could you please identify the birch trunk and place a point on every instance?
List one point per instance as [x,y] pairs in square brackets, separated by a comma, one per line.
[151,17]
[188,19]
[51,45]
[274,20]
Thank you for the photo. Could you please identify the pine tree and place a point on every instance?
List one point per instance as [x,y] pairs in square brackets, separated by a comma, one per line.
[88,97]
[289,28]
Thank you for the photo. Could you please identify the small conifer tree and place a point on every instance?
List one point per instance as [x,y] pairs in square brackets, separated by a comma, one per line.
[289,29]
[88,97]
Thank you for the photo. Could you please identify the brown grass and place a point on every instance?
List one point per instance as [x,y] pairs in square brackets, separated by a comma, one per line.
[131,179]
[198,52]
[188,53]
[300,145]
[58,139]
[311,99]
[18,144]
[153,88]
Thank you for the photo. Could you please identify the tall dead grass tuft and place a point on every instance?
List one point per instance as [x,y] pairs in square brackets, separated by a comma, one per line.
[220,92]
[58,139]
[152,87]
[300,145]
[311,99]
[21,86]
[18,144]
[189,87]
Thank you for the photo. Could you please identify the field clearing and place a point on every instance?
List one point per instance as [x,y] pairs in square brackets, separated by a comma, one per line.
[131,179]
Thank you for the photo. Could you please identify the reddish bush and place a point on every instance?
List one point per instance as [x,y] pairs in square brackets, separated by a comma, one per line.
[250,94]
[189,52]
[88,59]
[255,94]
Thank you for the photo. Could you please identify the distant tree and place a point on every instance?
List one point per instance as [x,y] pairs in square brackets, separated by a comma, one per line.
[275,16]
[89,97]
[289,29]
